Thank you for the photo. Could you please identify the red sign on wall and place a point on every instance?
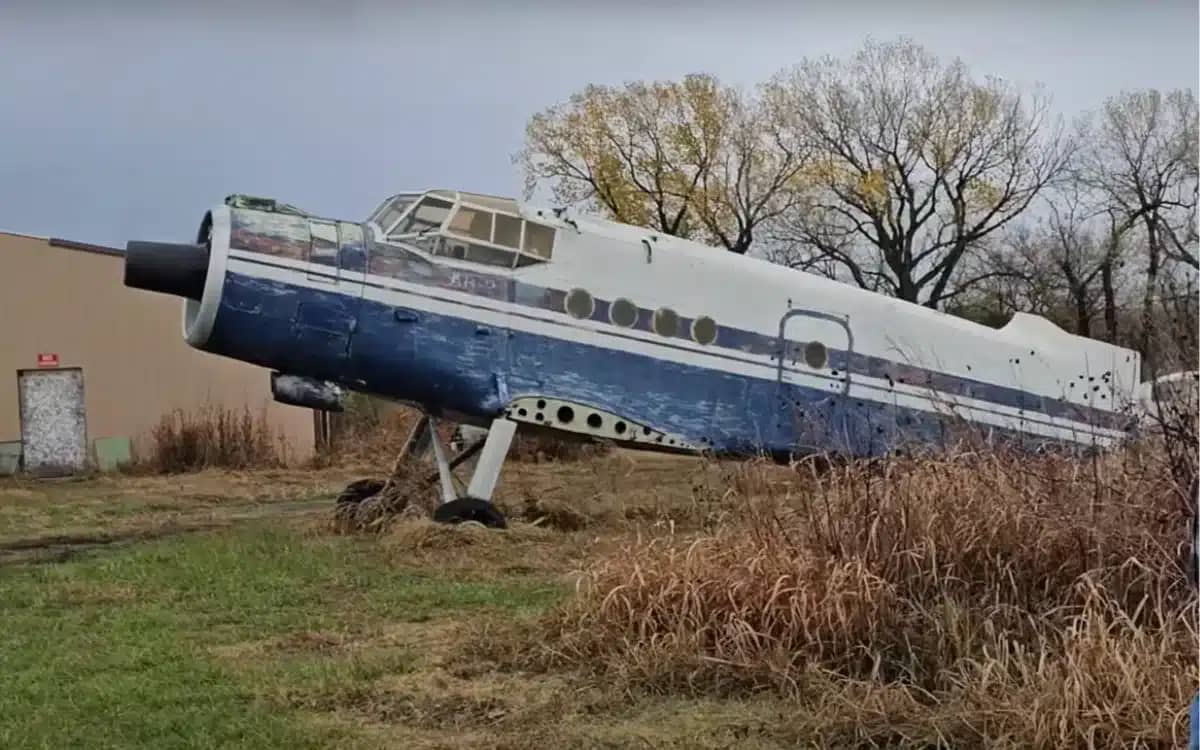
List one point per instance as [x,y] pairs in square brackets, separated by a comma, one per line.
[47,360]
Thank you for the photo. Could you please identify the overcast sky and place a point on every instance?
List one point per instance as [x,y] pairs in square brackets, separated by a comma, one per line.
[128,123]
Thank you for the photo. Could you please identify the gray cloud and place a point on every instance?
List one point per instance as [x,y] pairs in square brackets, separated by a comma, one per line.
[127,123]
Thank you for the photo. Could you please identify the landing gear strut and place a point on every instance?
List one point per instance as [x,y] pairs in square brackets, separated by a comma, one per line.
[454,506]
[476,504]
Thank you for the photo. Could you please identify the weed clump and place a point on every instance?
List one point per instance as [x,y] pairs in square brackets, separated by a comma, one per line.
[214,437]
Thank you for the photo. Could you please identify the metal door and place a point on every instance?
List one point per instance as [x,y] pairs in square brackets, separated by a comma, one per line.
[323,251]
[337,255]
[813,355]
[325,321]
[53,421]
[352,266]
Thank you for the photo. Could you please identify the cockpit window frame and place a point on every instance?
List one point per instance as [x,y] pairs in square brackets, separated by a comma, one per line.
[440,227]
[412,200]
[431,240]
[517,252]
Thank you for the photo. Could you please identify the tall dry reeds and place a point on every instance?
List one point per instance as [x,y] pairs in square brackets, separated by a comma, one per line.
[214,437]
[532,446]
[970,600]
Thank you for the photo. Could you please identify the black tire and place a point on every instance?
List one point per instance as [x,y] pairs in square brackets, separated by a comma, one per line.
[470,509]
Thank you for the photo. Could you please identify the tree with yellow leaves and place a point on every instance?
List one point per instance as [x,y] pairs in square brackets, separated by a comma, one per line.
[890,168]
[690,158]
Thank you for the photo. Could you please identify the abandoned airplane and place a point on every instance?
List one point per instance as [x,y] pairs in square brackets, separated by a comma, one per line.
[492,313]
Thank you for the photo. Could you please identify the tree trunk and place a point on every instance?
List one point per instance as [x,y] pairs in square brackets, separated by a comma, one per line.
[906,289]
[1110,301]
[1151,286]
[1083,318]
[742,244]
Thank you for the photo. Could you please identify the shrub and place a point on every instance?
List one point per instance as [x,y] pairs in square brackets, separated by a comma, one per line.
[214,437]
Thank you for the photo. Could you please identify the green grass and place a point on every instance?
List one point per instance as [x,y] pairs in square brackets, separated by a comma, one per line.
[139,647]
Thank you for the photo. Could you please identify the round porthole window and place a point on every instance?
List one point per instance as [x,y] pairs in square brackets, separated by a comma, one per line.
[623,312]
[815,355]
[580,304]
[704,330]
[666,321]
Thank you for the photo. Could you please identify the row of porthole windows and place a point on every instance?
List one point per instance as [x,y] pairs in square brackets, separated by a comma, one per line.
[622,312]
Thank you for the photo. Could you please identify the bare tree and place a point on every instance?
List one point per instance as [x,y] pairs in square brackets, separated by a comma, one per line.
[1068,265]
[1065,260]
[751,181]
[1084,245]
[1143,158]
[917,164]
[1018,279]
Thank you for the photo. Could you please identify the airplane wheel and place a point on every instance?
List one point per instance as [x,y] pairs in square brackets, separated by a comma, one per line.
[470,509]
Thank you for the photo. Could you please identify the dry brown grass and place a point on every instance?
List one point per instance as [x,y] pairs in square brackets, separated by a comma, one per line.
[531,446]
[370,441]
[975,600]
[213,437]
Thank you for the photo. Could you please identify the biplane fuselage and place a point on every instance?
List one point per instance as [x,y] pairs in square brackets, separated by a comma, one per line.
[477,308]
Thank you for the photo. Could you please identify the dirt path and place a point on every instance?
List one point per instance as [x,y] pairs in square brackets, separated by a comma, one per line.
[54,548]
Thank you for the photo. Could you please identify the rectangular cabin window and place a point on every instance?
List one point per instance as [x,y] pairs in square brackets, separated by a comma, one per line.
[471,222]
[539,239]
[352,246]
[350,234]
[508,231]
[388,261]
[461,249]
[491,256]
[324,247]
[428,215]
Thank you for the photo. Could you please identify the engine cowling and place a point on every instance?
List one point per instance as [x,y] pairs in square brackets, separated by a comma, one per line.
[167,268]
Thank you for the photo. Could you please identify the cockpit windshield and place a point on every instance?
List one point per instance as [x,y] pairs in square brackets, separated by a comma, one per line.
[392,209]
[430,213]
[466,226]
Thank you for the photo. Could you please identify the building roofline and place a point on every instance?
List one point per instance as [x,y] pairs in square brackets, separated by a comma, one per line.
[26,235]
[86,247]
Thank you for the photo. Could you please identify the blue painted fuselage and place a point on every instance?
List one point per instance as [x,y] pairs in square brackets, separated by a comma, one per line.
[467,340]
[393,343]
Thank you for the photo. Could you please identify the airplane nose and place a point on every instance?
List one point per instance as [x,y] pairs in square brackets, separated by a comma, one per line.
[167,268]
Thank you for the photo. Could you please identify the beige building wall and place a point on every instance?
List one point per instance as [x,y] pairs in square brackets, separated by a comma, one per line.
[136,365]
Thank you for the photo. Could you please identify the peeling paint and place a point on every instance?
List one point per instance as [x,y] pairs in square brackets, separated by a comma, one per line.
[393,261]
[495,338]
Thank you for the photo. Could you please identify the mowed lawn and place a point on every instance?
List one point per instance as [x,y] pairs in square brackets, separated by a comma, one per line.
[159,645]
